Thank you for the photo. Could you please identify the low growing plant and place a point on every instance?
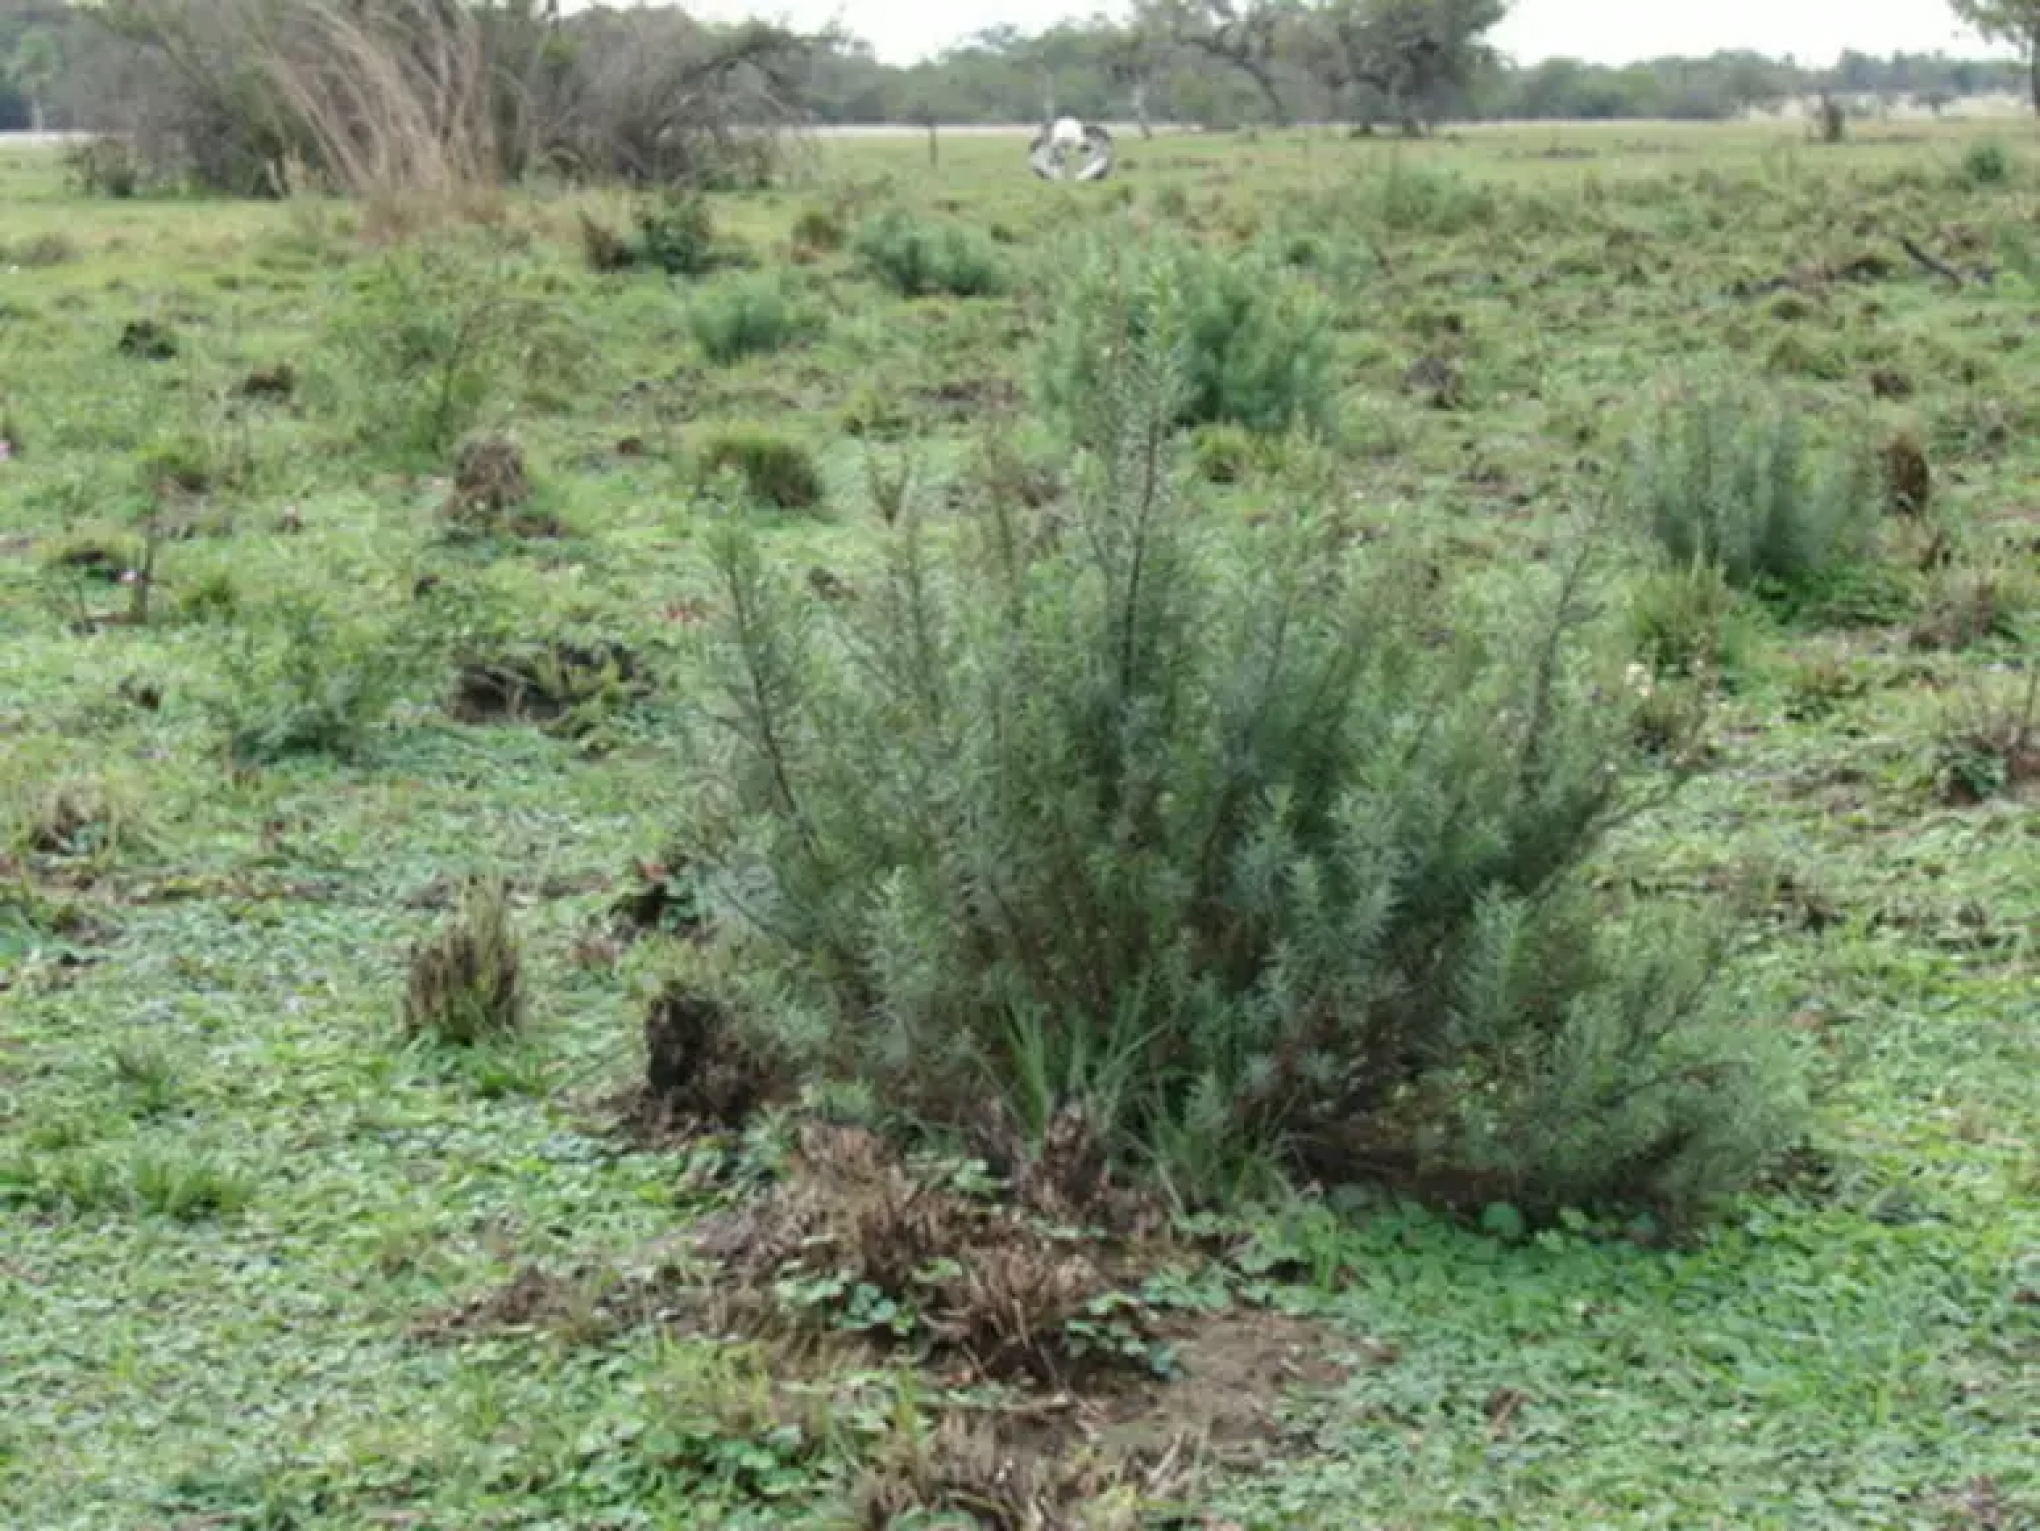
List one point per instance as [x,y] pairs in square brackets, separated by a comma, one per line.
[918,259]
[427,344]
[1254,345]
[466,980]
[747,316]
[774,470]
[300,679]
[1730,480]
[1263,852]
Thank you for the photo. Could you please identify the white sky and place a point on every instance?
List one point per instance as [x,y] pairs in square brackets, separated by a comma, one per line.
[1611,31]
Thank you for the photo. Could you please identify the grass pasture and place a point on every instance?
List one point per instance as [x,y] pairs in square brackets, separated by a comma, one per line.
[275,679]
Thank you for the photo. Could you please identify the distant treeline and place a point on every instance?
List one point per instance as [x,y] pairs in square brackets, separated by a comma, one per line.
[1011,76]
[54,72]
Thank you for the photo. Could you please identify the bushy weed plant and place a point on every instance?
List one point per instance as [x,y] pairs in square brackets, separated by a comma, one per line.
[917,259]
[1730,480]
[1256,848]
[774,470]
[747,316]
[300,678]
[1253,344]
[427,343]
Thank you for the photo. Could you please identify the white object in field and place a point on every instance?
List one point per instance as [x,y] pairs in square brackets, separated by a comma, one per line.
[1065,140]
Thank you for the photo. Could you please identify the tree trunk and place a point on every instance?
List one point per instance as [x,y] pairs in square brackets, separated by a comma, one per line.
[1140,109]
[35,113]
[2033,68]
[1277,107]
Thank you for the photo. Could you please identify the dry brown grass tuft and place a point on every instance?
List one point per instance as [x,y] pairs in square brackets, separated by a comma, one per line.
[466,981]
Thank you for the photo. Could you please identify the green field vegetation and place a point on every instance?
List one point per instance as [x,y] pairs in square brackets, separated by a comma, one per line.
[355,567]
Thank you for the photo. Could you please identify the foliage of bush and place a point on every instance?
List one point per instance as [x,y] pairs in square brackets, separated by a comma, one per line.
[103,167]
[301,679]
[1730,480]
[1255,344]
[748,316]
[421,99]
[775,471]
[916,259]
[818,230]
[466,981]
[1987,164]
[427,342]
[677,235]
[1681,619]
[1207,829]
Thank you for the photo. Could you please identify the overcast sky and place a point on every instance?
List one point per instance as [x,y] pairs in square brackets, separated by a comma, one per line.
[1613,31]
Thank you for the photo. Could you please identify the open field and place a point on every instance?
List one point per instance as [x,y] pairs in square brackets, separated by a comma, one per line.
[250,1231]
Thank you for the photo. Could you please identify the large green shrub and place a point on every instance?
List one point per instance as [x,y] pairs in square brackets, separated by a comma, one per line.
[1253,344]
[1730,480]
[1249,847]
[917,259]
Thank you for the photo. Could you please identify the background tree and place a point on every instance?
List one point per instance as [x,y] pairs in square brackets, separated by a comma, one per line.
[1408,54]
[36,65]
[1247,36]
[2008,21]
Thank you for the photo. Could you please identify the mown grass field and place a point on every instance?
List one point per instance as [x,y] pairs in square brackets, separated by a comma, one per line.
[237,1203]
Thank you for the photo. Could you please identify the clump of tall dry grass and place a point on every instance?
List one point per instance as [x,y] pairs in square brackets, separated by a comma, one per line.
[437,102]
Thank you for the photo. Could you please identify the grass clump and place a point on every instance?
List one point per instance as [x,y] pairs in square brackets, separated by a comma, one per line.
[466,980]
[42,251]
[917,259]
[1988,743]
[73,819]
[1199,827]
[750,316]
[774,470]
[817,231]
[1730,480]
[1255,346]
[1682,620]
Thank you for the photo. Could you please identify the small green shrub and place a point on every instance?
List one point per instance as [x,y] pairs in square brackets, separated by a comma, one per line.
[1412,200]
[466,980]
[1224,453]
[1201,828]
[676,234]
[916,259]
[1987,164]
[817,231]
[427,342]
[1680,619]
[103,167]
[1255,344]
[748,316]
[775,471]
[1729,480]
[300,679]
[1831,121]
